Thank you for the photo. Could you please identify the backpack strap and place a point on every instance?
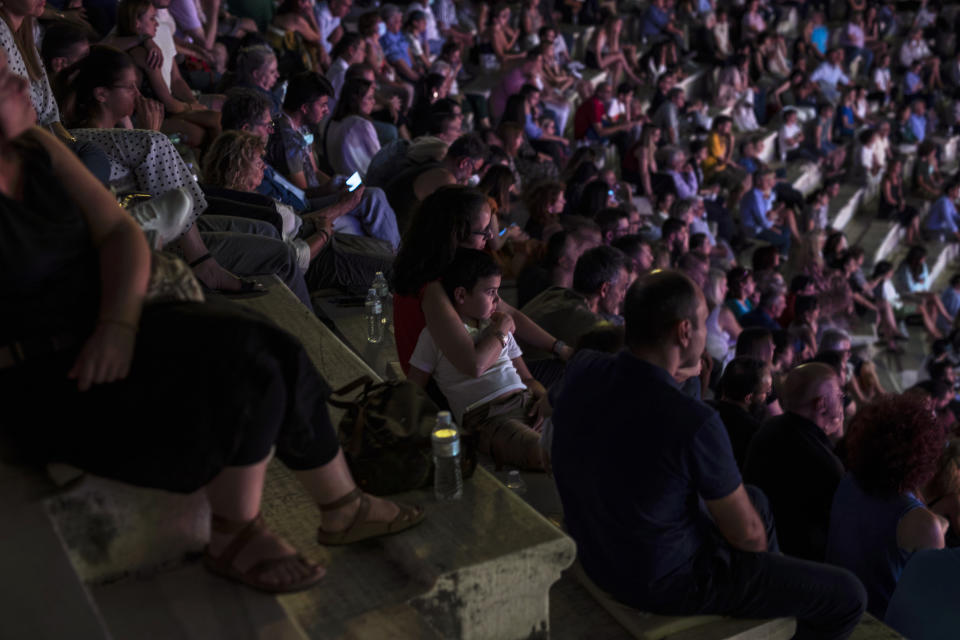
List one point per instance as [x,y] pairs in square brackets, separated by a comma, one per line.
[362,381]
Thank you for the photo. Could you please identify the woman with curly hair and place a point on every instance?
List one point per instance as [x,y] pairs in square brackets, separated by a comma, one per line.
[545,202]
[878,519]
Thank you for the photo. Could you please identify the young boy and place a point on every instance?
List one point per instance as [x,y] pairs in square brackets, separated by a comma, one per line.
[498,403]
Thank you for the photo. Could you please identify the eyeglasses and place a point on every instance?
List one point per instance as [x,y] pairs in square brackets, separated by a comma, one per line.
[128,87]
[486,233]
[266,125]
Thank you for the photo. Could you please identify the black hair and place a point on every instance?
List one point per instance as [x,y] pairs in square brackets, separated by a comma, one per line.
[800,282]
[59,39]
[243,107]
[764,258]
[350,98]
[609,218]
[101,68]
[741,378]
[751,338]
[467,146]
[882,268]
[671,226]
[466,269]
[304,88]
[656,303]
[347,40]
[805,304]
[597,266]
[594,198]
[439,225]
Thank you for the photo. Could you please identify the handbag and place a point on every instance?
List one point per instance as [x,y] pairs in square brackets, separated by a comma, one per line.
[171,280]
[385,435]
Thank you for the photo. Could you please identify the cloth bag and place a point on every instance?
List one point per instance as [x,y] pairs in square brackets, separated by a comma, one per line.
[385,435]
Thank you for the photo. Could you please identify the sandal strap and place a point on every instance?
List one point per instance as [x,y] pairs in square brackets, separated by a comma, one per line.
[242,538]
[200,260]
[343,500]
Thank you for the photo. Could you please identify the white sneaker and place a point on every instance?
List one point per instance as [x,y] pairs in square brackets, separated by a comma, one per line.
[164,218]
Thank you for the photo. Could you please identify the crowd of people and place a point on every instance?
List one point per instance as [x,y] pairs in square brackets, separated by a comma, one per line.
[676,349]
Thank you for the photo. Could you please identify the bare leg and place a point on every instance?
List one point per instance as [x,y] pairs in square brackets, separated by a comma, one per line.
[928,322]
[235,495]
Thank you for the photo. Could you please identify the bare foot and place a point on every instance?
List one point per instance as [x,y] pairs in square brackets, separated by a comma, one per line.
[266,545]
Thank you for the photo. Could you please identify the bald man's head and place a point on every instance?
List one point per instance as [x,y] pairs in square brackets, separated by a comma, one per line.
[813,391]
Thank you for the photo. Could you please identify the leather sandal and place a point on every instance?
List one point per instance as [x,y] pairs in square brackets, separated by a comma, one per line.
[222,565]
[361,528]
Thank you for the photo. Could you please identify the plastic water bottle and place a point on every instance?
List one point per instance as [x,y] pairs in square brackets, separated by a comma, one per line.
[447,481]
[383,292]
[515,482]
[380,286]
[373,311]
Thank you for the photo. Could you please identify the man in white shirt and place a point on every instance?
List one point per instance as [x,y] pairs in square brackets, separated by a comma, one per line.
[830,74]
[915,48]
[328,16]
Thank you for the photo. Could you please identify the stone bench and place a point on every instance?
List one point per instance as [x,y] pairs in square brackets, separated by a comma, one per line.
[478,568]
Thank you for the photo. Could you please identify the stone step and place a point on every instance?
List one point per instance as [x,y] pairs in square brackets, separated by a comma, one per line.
[43,597]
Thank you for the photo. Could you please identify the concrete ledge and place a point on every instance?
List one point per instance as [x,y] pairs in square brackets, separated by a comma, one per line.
[112,530]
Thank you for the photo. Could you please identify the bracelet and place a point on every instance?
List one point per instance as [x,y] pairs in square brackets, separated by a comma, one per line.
[120,323]
[200,260]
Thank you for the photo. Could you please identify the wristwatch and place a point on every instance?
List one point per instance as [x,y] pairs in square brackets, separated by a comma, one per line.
[558,347]
[502,337]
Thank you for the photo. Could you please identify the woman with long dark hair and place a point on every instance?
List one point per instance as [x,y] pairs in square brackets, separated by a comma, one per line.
[350,140]
[451,217]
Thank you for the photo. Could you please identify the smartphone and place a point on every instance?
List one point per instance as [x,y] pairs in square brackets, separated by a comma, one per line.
[354,181]
[504,230]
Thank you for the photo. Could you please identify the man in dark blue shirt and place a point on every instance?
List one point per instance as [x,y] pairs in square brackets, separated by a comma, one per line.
[650,489]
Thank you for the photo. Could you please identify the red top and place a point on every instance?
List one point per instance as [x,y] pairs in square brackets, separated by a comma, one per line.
[408,322]
[590,112]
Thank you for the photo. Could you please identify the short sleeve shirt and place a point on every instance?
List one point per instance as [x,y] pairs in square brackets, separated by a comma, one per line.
[289,153]
[633,457]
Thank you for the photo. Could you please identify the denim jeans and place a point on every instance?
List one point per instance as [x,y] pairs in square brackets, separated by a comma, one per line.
[827,601]
[779,239]
[373,217]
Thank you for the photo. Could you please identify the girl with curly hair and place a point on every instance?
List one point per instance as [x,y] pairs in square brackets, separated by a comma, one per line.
[878,519]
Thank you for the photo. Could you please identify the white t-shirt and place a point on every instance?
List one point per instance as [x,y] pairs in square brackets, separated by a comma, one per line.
[166,27]
[788,131]
[881,79]
[465,392]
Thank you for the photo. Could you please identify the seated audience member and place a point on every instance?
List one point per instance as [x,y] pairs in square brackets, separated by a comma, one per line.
[803,328]
[923,606]
[564,248]
[545,202]
[410,187]
[762,217]
[638,251]
[744,388]
[349,138]
[614,223]
[791,459]
[246,110]
[146,161]
[943,219]
[722,327]
[196,124]
[496,403]
[600,281]
[771,306]
[290,149]
[451,217]
[877,521]
[679,533]
[113,357]
[942,493]
[741,291]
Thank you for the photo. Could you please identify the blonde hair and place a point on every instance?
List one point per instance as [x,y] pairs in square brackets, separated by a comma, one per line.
[229,159]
